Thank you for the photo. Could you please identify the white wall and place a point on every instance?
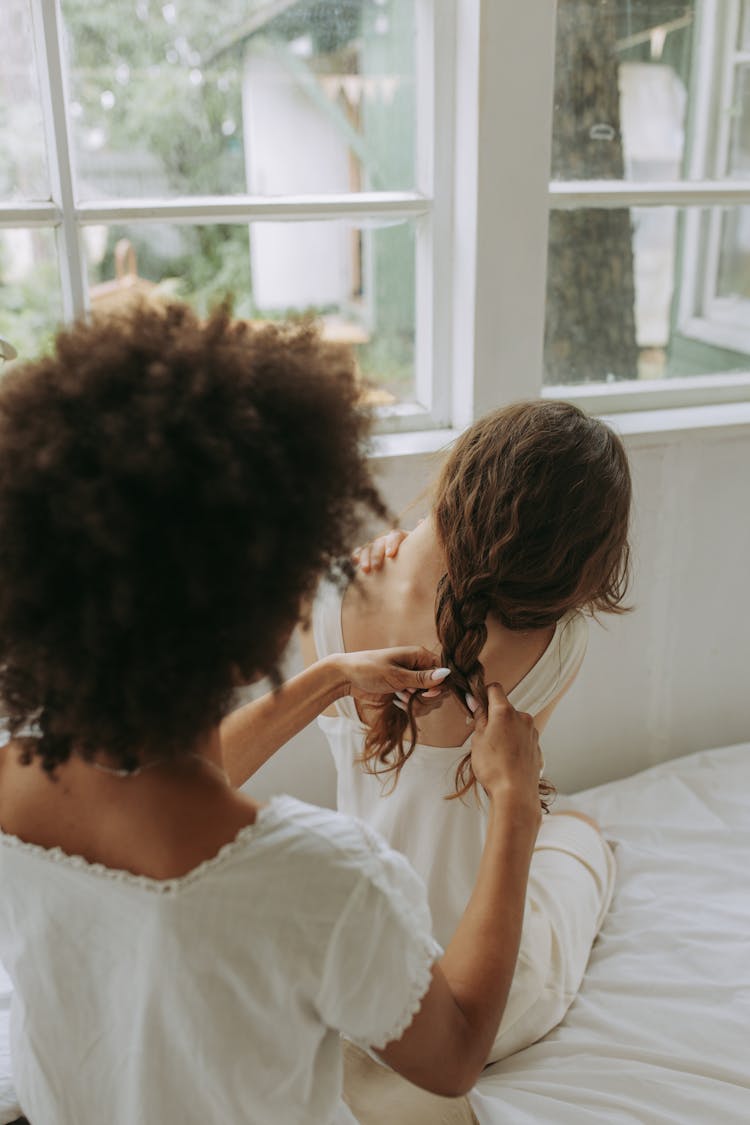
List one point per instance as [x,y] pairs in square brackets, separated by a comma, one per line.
[669,678]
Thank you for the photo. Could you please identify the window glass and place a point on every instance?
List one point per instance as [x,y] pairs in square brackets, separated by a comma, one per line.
[359,281]
[648,91]
[623,87]
[739,146]
[30,303]
[647,293]
[744,36]
[23,166]
[733,280]
[192,97]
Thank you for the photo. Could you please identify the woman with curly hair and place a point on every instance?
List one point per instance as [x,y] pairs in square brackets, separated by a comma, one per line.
[170,492]
[527,534]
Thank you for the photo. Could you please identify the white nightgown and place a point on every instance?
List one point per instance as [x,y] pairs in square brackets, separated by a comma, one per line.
[572,872]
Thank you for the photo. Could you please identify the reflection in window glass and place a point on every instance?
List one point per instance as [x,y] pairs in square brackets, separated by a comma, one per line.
[30,302]
[734,260]
[358,282]
[744,37]
[192,97]
[739,147]
[622,88]
[23,167]
[639,294]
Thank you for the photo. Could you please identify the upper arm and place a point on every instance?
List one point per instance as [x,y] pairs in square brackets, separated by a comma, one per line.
[381,985]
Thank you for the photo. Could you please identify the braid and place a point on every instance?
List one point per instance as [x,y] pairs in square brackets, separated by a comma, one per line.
[462,631]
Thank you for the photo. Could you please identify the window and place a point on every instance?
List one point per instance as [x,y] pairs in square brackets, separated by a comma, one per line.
[715,309]
[281,151]
[491,200]
[649,242]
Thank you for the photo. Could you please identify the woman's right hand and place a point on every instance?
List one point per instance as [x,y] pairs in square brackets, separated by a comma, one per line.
[505,754]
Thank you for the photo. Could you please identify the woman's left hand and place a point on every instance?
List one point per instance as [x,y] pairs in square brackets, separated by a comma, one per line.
[377,675]
[372,555]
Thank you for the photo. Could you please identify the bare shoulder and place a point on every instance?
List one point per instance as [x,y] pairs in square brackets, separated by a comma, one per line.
[509,655]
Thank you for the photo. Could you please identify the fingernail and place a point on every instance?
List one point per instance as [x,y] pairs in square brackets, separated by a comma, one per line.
[440,674]
[402,696]
[471,702]
[431,694]
[401,706]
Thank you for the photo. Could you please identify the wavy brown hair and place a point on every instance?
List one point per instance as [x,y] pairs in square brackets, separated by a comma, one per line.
[532,510]
[170,490]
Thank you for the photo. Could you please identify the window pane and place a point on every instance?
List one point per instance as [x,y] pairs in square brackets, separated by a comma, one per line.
[647,293]
[193,97]
[30,302]
[359,282]
[623,88]
[739,148]
[23,166]
[744,40]
[734,260]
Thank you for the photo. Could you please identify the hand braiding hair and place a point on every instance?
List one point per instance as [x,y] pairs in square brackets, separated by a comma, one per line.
[462,630]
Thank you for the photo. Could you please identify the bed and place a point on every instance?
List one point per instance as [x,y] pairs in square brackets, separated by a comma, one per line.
[660,1031]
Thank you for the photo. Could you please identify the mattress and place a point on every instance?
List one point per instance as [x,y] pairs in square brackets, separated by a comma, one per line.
[660,1031]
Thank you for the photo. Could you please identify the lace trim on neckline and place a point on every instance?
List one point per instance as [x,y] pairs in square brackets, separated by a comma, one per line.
[147,882]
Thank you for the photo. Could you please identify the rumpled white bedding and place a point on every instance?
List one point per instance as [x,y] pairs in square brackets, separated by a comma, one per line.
[660,1031]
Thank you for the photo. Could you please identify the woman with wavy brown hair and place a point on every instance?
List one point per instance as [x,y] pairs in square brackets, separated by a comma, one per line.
[527,537]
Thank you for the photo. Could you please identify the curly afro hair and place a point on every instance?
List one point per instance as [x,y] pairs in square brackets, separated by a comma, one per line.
[171,489]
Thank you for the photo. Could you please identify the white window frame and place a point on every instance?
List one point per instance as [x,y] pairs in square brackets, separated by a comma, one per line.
[429,205]
[516,63]
[481,206]
[729,318]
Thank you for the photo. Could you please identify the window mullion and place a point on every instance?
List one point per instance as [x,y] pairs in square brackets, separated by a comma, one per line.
[434,165]
[514,129]
[390,206]
[578,194]
[48,39]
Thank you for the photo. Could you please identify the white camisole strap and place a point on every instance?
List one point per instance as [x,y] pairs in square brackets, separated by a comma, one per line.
[556,666]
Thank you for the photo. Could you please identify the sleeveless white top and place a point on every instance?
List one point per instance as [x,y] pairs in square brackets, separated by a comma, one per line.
[442,839]
[217,996]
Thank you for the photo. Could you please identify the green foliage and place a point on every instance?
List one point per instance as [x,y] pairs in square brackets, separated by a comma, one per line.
[30,309]
[155,98]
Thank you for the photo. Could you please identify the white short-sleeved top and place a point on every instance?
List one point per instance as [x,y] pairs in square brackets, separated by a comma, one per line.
[443,840]
[217,996]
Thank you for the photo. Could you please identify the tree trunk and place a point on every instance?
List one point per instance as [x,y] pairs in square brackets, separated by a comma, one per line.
[590,329]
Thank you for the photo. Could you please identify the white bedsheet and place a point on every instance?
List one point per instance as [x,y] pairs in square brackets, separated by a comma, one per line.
[660,1031]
